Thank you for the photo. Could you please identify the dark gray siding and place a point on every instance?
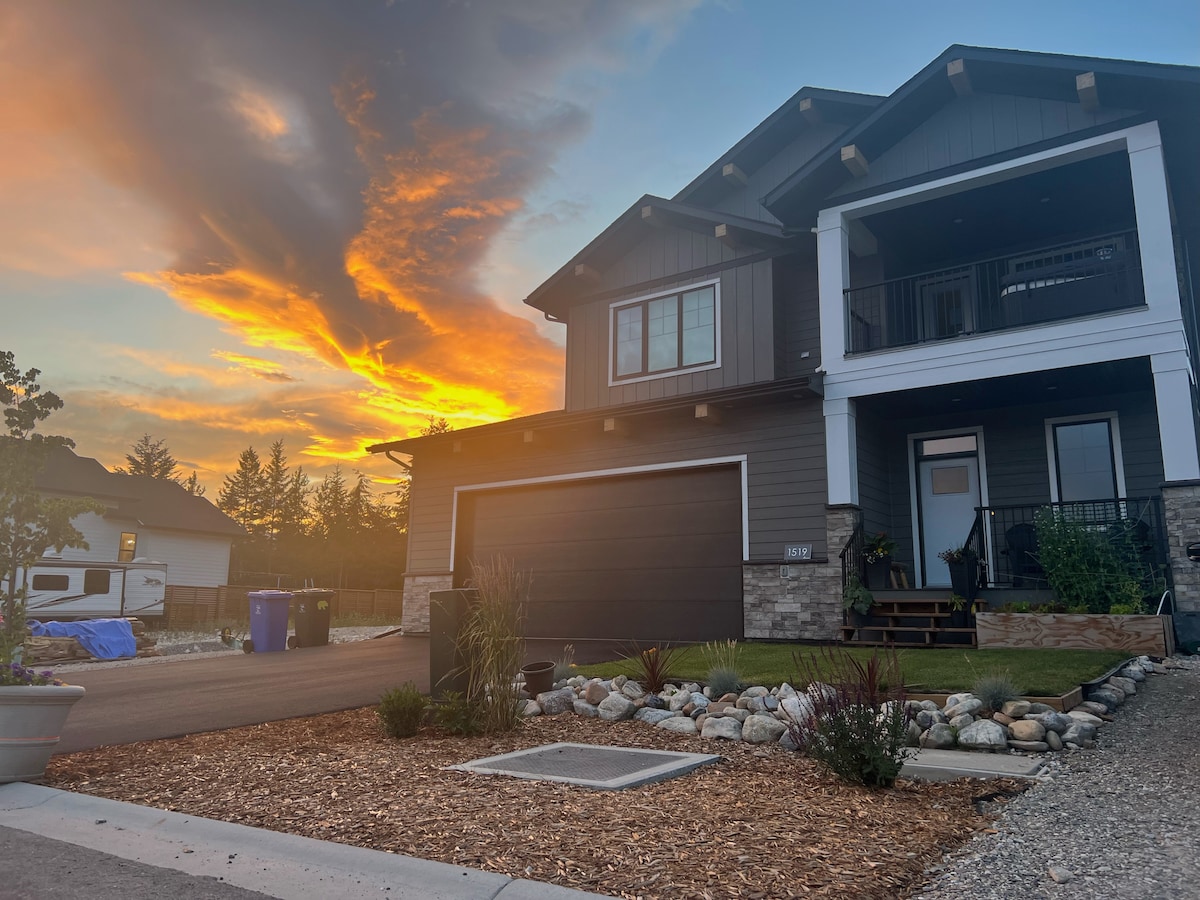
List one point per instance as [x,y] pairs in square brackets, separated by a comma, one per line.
[975,127]
[746,333]
[784,443]
[745,201]
[797,316]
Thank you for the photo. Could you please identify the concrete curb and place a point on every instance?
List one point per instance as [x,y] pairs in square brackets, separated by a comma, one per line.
[279,865]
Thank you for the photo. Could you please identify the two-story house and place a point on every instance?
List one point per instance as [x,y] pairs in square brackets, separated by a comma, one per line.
[926,314]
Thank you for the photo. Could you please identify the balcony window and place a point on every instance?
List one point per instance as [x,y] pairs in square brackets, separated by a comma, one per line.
[666,333]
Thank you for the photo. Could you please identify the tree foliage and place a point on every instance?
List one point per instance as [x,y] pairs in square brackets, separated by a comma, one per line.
[152,458]
[29,522]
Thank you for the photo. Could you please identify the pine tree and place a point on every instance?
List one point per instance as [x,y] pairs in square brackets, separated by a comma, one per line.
[241,495]
[151,457]
[193,486]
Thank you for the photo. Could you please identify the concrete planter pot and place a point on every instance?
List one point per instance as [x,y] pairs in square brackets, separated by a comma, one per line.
[31,721]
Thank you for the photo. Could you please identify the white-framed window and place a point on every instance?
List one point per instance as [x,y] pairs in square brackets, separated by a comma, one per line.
[666,333]
[1085,458]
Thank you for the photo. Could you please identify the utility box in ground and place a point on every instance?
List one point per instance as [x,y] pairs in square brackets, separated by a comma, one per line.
[269,612]
[312,607]
[447,612]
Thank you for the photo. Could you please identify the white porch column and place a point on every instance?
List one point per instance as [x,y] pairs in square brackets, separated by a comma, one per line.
[833,277]
[841,451]
[1152,208]
[1176,419]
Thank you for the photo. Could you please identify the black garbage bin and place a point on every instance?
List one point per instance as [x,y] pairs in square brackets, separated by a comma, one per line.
[311,607]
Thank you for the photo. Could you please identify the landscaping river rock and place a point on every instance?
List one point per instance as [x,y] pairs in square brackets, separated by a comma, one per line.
[761,715]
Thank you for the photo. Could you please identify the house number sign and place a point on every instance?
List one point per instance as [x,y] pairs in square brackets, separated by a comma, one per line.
[797,551]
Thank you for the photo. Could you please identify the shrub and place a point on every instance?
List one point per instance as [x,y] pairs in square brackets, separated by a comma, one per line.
[857,725]
[564,666]
[401,710]
[492,643]
[721,662]
[995,689]
[651,666]
[458,714]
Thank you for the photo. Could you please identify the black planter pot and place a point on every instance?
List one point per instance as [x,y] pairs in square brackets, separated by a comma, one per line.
[878,574]
[964,577]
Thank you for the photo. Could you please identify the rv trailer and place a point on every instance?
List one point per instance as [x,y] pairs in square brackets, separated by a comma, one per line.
[59,589]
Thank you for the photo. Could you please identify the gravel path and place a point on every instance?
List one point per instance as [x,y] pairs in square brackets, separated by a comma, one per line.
[1118,822]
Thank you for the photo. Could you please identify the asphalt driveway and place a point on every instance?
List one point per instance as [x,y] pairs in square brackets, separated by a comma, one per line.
[177,697]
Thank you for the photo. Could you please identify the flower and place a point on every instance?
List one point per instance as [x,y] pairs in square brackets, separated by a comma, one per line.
[878,547]
[16,675]
[956,554]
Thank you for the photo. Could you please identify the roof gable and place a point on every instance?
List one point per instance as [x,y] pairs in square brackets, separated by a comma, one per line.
[1119,85]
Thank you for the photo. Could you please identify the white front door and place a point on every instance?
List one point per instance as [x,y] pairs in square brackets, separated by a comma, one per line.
[949,494]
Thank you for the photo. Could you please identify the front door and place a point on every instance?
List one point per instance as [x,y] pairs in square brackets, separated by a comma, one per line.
[949,492]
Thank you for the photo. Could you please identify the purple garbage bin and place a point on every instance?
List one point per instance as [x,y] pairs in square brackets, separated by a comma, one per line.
[269,620]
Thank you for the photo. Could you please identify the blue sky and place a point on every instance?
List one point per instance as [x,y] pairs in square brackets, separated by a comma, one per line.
[321,228]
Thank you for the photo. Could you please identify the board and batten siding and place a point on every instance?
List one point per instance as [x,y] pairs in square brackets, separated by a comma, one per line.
[744,201]
[784,444]
[975,127]
[797,316]
[746,333]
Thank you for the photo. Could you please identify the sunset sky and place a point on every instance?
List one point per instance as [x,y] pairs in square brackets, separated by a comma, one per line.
[232,221]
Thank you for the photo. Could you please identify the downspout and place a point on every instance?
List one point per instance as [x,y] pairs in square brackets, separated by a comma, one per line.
[407,467]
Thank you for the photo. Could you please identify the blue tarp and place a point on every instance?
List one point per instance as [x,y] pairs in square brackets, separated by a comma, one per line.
[103,638]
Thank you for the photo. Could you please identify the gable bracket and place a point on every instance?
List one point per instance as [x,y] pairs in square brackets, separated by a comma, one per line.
[1085,87]
[854,161]
[956,71]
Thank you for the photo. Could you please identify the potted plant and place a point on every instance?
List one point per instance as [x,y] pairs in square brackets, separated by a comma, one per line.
[877,558]
[33,705]
[857,600]
[963,563]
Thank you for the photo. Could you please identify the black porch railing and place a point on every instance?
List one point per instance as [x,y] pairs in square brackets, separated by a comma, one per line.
[1005,537]
[852,555]
[1096,275]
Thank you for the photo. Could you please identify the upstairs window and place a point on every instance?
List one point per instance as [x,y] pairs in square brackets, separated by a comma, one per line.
[665,333]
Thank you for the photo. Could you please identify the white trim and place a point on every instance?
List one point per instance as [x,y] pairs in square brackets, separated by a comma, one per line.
[1114,430]
[739,460]
[715,283]
[913,486]
[1173,401]
[1154,328]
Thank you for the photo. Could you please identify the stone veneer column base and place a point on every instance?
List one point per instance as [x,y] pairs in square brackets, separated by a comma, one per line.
[415,619]
[1181,510]
[799,601]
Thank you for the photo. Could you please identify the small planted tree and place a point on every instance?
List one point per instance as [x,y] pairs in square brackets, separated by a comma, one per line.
[29,522]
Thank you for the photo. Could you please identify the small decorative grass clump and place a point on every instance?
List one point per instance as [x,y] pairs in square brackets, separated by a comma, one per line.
[401,710]
[721,659]
[564,666]
[995,689]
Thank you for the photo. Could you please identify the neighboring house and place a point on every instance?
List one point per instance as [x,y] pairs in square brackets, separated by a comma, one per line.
[143,518]
[926,314]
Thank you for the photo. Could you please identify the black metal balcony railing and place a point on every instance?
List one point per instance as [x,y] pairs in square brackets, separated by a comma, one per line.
[1083,278]
[1005,537]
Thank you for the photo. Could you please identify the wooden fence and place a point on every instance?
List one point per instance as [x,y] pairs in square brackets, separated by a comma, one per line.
[228,603]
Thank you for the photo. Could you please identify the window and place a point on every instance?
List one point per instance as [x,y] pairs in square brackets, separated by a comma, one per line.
[1085,458]
[128,547]
[95,581]
[665,333]
[51,582]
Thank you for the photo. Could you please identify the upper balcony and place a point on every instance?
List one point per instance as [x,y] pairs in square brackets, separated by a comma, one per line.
[1044,284]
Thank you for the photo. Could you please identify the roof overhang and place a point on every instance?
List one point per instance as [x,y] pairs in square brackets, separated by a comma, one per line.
[580,278]
[961,70]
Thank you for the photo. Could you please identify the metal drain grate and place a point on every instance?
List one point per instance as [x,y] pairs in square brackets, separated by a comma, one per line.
[590,765]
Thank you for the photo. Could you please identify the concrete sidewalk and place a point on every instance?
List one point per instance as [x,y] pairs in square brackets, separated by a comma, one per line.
[217,859]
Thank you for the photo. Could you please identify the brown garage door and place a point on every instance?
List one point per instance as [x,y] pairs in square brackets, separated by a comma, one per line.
[651,557]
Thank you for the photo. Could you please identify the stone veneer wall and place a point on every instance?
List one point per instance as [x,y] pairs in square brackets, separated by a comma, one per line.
[1181,510]
[800,601]
[416,599]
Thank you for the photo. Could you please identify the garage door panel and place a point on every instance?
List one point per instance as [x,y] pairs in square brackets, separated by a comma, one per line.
[646,557]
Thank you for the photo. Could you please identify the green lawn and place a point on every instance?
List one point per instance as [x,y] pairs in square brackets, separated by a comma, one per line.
[1036,672]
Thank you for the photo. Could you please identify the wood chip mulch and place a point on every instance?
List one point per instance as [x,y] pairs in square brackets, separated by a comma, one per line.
[762,823]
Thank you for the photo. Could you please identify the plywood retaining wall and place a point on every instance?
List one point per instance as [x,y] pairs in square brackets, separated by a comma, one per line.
[1152,635]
